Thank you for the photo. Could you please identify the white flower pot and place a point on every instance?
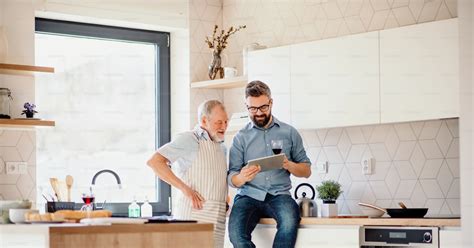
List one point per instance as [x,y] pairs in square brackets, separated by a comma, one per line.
[329,210]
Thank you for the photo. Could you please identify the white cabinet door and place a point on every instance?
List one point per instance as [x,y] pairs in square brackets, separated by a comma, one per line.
[450,238]
[272,66]
[419,75]
[335,82]
[311,236]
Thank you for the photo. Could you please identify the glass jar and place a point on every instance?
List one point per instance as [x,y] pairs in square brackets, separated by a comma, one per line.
[5,100]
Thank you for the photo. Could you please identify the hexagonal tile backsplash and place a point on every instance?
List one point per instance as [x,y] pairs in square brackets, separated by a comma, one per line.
[416,163]
[17,146]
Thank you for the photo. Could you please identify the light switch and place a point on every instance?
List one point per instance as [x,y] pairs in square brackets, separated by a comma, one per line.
[322,168]
[367,165]
[16,168]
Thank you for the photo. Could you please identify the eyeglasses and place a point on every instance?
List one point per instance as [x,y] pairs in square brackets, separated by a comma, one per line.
[263,108]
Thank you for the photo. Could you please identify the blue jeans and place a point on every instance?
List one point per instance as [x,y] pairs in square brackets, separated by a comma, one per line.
[246,213]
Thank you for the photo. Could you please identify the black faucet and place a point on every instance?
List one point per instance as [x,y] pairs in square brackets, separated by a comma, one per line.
[108,171]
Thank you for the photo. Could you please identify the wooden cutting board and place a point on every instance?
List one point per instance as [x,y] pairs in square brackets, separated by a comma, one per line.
[351,216]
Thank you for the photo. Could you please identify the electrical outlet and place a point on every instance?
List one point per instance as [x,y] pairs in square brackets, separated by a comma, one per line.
[16,168]
[367,165]
[322,168]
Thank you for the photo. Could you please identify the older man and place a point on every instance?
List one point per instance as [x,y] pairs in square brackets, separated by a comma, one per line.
[199,159]
[264,193]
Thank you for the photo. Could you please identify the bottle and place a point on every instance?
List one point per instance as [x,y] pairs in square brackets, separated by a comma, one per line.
[146,209]
[134,209]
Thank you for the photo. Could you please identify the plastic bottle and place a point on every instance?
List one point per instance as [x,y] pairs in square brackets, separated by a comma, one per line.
[146,209]
[134,209]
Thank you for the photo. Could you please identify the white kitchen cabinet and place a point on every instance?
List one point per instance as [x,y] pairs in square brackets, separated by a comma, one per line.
[272,66]
[335,82]
[419,76]
[450,237]
[314,236]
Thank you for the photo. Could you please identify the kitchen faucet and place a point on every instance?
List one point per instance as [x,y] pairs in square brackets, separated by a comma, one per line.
[107,171]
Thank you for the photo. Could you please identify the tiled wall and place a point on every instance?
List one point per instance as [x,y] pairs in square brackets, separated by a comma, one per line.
[416,163]
[17,146]
[277,23]
[203,15]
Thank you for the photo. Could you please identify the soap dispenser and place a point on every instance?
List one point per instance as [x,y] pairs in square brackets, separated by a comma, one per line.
[134,209]
[146,209]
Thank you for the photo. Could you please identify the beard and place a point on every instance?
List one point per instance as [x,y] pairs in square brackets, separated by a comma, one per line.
[215,137]
[261,122]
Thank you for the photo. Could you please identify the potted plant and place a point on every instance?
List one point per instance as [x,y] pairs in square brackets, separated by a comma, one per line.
[29,110]
[329,191]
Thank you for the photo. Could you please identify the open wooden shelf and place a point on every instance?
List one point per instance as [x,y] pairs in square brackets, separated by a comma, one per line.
[22,69]
[225,83]
[25,123]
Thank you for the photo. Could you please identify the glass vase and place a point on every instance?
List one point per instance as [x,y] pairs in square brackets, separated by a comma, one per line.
[215,68]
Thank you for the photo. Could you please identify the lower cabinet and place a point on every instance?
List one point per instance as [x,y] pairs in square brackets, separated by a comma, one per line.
[313,236]
[450,237]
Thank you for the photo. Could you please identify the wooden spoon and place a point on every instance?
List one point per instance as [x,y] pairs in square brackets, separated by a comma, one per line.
[69,182]
[402,205]
[372,206]
[55,186]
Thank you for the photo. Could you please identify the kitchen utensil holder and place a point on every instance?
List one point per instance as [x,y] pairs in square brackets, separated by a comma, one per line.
[52,207]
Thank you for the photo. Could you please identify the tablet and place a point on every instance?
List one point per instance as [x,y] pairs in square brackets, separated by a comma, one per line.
[269,163]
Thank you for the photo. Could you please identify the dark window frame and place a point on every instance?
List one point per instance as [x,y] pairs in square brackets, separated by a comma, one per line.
[162,86]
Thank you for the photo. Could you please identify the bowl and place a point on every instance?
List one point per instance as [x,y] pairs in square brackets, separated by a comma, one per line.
[17,216]
[5,206]
[371,212]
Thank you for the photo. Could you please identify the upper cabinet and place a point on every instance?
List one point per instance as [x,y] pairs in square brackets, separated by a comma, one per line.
[396,75]
[272,66]
[335,82]
[419,72]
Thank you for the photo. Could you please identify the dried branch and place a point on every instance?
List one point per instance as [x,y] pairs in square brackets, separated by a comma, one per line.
[219,42]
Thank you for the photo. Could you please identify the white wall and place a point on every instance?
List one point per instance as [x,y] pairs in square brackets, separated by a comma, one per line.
[466,124]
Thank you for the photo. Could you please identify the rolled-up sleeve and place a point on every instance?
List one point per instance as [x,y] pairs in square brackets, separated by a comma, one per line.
[236,159]
[298,153]
[183,146]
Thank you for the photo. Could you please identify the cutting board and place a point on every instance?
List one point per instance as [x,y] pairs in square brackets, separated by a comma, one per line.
[108,221]
[351,216]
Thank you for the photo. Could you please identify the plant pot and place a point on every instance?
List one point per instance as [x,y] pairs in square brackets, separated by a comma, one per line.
[29,114]
[328,209]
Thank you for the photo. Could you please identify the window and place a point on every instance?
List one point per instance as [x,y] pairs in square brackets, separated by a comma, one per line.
[110,100]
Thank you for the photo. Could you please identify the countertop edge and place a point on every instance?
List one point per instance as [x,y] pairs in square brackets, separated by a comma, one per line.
[307,221]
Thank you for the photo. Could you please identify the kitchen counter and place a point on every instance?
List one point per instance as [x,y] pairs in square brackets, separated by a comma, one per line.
[373,221]
[116,235]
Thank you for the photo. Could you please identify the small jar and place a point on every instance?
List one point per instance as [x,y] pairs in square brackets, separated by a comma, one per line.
[5,101]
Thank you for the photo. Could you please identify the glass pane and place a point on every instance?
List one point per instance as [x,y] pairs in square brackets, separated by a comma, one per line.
[102,97]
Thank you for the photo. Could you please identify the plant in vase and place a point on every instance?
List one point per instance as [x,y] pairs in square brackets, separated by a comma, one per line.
[29,110]
[218,42]
[329,191]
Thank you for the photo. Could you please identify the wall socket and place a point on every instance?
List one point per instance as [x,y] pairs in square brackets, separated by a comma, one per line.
[322,168]
[367,166]
[16,168]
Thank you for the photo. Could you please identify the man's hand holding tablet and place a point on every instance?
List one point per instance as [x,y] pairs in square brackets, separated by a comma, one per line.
[268,163]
